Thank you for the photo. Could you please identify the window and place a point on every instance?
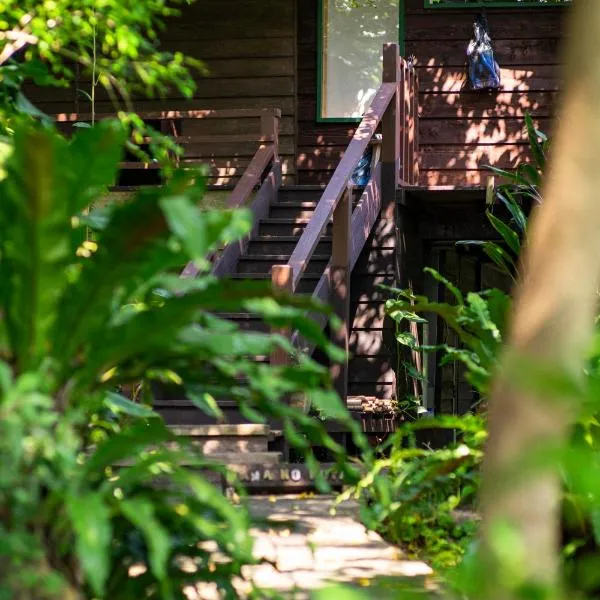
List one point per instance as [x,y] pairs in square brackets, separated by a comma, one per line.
[493,3]
[352,36]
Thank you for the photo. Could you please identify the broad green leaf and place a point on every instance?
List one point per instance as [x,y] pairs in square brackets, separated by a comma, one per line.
[119,403]
[90,518]
[95,155]
[126,444]
[508,235]
[200,231]
[23,105]
[340,593]
[500,257]
[595,518]
[534,136]
[330,405]
[506,197]
[449,286]
[140,511]
[35,241]
[204,401]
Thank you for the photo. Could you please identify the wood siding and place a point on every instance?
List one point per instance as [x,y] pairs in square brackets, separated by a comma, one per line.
[460,131]
[463,131]
[249,48]
[263,53]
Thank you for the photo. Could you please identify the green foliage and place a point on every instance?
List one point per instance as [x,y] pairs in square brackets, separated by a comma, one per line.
[410,493]
[93,484]
[114,41]
[413,493]
[479,320]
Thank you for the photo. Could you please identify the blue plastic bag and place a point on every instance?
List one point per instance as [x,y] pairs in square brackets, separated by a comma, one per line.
[483,70]
[362,171]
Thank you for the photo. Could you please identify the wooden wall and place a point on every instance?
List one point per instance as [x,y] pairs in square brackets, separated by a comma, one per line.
[263,53]
[249,47]
[460,131]
[463,131]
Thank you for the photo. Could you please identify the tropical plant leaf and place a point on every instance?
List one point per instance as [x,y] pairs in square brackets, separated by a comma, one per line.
[35,236]
[119,403]
[507,198]
[534,136]
[508,235]
[449,286]
[140,511]
[95,154]
[205,401]
[90,519]
[126,444]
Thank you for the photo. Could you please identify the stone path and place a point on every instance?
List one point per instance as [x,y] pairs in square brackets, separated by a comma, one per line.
[311,548]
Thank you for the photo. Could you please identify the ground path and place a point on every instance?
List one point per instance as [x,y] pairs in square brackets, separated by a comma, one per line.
[310,548]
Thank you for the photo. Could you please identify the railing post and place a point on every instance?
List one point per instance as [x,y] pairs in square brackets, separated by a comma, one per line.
[269,126]
[340,288]
[281,279]
[415,92]
[390,128]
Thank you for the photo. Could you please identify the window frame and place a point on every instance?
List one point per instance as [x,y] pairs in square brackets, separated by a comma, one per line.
[458,4]
[320,31]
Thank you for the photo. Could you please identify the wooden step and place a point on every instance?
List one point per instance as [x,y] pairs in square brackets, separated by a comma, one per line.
[277,227]
[226,438]
[306,285]
[246,458]
[246,321]
[293,210]
[363,287]
[300,193]
[263,263]
[283,244]
[180,411]
[223,458]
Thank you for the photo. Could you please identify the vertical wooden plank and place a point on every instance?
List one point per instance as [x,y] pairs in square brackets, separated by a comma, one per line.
[415,166]
[340,288]
[410,126]
[406,120]
[269,126]
[390,128]
[281,279]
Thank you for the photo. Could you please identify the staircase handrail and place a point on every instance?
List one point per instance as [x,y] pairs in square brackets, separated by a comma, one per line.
[395,107]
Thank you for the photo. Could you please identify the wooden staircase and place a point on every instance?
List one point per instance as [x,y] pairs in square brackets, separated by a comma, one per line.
[337,243]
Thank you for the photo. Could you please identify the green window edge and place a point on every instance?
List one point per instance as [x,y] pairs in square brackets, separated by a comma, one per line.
[496,3]
[321,119]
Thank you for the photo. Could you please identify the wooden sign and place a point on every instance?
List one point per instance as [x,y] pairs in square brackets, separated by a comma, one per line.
[281,476]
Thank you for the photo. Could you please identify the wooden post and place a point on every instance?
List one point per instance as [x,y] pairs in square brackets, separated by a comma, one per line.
[269,126]
[281,279]
[410,137]
[415,95]
[340,287]
[390,127]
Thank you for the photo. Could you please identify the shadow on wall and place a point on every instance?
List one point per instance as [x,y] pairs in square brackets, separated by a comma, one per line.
[460,131]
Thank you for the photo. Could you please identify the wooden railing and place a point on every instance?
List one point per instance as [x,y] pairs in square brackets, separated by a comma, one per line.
[206,138]
[394,107]
[262,173]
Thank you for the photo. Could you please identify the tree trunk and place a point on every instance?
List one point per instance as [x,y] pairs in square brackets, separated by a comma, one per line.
[555,305]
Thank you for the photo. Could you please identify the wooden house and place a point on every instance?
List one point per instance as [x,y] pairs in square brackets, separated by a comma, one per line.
[317,64]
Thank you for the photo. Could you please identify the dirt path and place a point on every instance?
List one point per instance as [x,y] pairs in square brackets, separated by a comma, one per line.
[312,548]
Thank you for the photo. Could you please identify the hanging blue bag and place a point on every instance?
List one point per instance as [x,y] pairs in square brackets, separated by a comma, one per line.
[483,70]
[362,171]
